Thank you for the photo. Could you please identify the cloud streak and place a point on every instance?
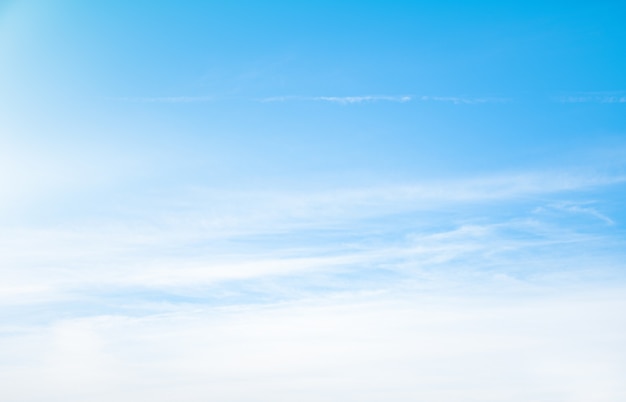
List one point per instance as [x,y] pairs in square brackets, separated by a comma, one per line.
[425,291]
[236,238]
[168,99]
[346,100]
[594,97]
[459,100]
[591,97]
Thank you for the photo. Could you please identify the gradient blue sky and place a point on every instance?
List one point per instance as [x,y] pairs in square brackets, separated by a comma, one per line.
[313,201]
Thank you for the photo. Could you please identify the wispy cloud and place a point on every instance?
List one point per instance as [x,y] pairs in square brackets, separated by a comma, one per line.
[462,99]
[581,208]
[344,100]
[227,236]
[594,97]
[460,284]
[586,97]
[167,99]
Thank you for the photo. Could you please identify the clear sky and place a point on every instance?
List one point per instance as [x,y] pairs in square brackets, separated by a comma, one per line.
[312,201]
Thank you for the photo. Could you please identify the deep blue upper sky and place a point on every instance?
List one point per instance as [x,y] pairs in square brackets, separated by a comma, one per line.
[489,83]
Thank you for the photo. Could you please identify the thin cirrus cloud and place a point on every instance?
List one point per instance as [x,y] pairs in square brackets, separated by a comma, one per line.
[347,100]
[342,100]
[594,97]
[462,100]
[167,99]
[332,99]
[473,290]
[583,208]
[172,248]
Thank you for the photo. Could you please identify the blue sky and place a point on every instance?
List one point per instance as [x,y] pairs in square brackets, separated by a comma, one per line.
[251,201]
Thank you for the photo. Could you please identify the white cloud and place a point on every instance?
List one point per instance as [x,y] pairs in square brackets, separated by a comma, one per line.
[168,99]
[344,100]
[565,346]
[581,208]
[512,307]
[378,98]
[594,97]
[230,236]
[462,99]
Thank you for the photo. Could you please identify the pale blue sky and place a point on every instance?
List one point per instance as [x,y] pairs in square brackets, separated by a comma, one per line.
[312,201]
